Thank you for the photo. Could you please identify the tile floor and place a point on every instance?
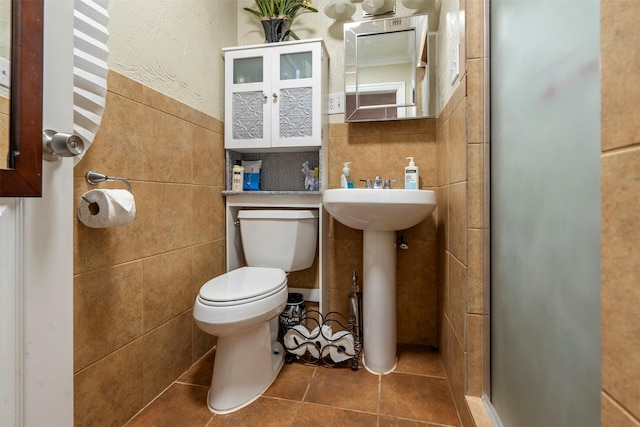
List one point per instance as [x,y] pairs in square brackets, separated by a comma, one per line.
[415,394]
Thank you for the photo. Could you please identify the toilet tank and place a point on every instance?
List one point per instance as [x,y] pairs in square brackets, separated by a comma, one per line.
[285,239]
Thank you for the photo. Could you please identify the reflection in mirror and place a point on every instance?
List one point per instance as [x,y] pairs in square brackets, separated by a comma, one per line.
[5,76]
[24,178]
[389,71]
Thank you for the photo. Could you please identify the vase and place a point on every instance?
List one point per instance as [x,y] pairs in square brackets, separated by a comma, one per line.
[275,30]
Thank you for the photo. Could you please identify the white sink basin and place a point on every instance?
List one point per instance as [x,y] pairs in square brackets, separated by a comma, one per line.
[379,210]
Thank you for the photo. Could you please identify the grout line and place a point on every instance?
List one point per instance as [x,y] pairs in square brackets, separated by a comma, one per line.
[306,391]
[619,405]
[340,408]
[621,150]
[191,384]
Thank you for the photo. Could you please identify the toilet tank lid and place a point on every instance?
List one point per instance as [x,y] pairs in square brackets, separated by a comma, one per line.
[277,214]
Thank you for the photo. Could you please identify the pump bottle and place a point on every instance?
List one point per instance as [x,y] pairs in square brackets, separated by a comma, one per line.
[345,179]
[411,178]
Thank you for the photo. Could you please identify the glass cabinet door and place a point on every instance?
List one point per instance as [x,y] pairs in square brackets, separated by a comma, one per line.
[247,99]
[298,97]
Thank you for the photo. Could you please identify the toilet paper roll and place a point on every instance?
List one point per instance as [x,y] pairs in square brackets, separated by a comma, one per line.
[341,347]
[106,208]
[320,338]
[296,340]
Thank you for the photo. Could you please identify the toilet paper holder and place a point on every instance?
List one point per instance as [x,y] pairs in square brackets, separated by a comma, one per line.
[94,178]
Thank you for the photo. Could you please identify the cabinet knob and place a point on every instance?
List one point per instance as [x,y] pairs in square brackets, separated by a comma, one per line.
[264,96]
[275,96]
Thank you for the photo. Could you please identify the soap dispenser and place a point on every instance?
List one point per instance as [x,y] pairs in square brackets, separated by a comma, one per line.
[345,179]
[411,178]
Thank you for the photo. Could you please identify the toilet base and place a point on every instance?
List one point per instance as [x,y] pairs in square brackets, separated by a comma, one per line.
[245,365]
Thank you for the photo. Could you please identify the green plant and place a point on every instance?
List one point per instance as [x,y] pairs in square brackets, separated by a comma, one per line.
[282,9]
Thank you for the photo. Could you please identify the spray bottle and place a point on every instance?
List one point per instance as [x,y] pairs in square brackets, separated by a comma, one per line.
[355,311]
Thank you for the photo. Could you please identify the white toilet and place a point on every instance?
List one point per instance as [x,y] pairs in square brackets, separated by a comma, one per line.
[242,306]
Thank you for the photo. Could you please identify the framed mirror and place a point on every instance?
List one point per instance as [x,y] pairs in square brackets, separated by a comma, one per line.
[389,69]
[21,122]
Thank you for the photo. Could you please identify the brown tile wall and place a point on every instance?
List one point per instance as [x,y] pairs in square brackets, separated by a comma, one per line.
[381,149]
[134,285]
[462,225]
[620,238]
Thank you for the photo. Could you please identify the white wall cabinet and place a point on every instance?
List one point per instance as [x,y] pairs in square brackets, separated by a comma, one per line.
[275,96]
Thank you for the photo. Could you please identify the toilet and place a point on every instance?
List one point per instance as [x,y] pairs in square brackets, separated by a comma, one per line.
[242,306]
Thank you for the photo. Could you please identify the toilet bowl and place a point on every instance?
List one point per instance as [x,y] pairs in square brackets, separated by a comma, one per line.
[242,306]
[241,309]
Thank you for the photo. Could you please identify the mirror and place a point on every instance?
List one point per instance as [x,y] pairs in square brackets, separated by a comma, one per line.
[21,173]
[389,69]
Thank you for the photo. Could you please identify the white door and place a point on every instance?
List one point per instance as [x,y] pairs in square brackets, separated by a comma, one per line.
[36,261]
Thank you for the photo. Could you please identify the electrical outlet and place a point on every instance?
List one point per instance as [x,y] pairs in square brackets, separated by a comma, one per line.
[336,103]
[5,72]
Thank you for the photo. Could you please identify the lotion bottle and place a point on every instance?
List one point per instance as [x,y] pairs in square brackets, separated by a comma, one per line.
[237,180]
[411,177]
[345,179]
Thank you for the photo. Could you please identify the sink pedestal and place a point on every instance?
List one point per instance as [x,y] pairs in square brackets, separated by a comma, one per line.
[379,301]
[379,213]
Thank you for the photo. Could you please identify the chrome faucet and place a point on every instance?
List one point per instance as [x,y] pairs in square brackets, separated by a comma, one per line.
[377,182]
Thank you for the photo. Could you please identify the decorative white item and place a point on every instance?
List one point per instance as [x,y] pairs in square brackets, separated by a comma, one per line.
[378,7]
[90,53]
[339,9]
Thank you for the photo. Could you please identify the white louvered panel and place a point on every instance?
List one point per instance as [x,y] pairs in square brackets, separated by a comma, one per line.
[90,53]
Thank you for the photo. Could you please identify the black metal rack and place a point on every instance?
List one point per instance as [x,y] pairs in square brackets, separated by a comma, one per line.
[332,340]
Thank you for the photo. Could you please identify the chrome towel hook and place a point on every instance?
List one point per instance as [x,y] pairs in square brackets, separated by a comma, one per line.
[94,178]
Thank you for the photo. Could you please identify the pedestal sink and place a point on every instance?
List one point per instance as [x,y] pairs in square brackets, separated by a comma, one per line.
[379,213]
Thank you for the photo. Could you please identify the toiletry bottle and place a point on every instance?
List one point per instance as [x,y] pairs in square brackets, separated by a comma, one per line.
[345,179]
[411,180]
[237,180]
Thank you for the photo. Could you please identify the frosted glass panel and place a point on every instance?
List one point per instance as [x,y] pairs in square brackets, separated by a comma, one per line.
[248,70]
[545,212]
[295,112]
[296,66]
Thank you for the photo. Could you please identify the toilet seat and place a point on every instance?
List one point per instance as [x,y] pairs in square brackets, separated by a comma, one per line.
[242,286]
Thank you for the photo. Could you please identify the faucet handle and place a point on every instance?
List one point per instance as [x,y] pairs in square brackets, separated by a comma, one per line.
[387,183]
[367,183]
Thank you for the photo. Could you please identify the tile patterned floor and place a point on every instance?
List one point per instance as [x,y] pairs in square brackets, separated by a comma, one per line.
[416,394]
